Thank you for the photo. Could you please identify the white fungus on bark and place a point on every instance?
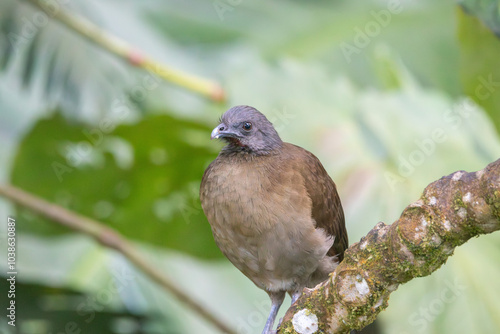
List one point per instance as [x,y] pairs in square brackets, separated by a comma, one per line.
[462,213]
[447,225]
[305,322]
[362,286]
[457,175]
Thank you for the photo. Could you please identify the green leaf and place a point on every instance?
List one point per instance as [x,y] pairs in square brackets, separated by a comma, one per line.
[141,179]
[488,11]
[479,63]
[47,309]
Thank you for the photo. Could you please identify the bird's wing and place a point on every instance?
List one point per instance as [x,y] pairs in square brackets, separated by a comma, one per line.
[326,208]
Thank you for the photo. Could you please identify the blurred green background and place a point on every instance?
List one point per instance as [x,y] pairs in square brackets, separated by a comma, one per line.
[390,95]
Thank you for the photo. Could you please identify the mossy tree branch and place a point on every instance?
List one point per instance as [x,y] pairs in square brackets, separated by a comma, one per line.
[450,211]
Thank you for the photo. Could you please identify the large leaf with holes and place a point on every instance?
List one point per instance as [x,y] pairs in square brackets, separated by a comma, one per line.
[141,179]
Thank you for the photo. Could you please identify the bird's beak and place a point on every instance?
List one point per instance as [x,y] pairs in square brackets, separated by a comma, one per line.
[221,131]
[216,133]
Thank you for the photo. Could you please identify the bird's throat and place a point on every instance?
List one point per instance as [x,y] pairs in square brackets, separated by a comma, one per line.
[235,144]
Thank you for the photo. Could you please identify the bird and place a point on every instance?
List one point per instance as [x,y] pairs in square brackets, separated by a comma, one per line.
[273,209]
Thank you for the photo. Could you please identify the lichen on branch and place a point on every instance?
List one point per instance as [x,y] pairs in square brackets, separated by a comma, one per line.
[450,211]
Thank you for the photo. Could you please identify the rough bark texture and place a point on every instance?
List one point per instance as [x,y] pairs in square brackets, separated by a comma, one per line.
[450,212]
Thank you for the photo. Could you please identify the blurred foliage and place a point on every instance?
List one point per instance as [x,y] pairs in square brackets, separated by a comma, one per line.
[487,11]
[64,69]
[59,310]
[478,31]
[128,150]
[128,177]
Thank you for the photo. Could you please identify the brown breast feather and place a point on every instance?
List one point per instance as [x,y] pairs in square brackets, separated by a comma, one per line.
[326,208]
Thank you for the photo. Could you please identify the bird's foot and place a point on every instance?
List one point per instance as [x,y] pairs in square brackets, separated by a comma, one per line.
[275,331]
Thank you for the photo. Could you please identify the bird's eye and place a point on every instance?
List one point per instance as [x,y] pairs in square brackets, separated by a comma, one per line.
[247,126]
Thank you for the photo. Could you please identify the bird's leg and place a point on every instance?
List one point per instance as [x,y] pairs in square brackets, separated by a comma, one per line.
[295,295]
[276,301]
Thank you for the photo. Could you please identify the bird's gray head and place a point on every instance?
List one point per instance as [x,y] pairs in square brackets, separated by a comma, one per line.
[246,129]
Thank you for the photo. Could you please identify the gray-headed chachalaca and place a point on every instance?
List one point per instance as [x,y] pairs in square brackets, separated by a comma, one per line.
[274,211]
